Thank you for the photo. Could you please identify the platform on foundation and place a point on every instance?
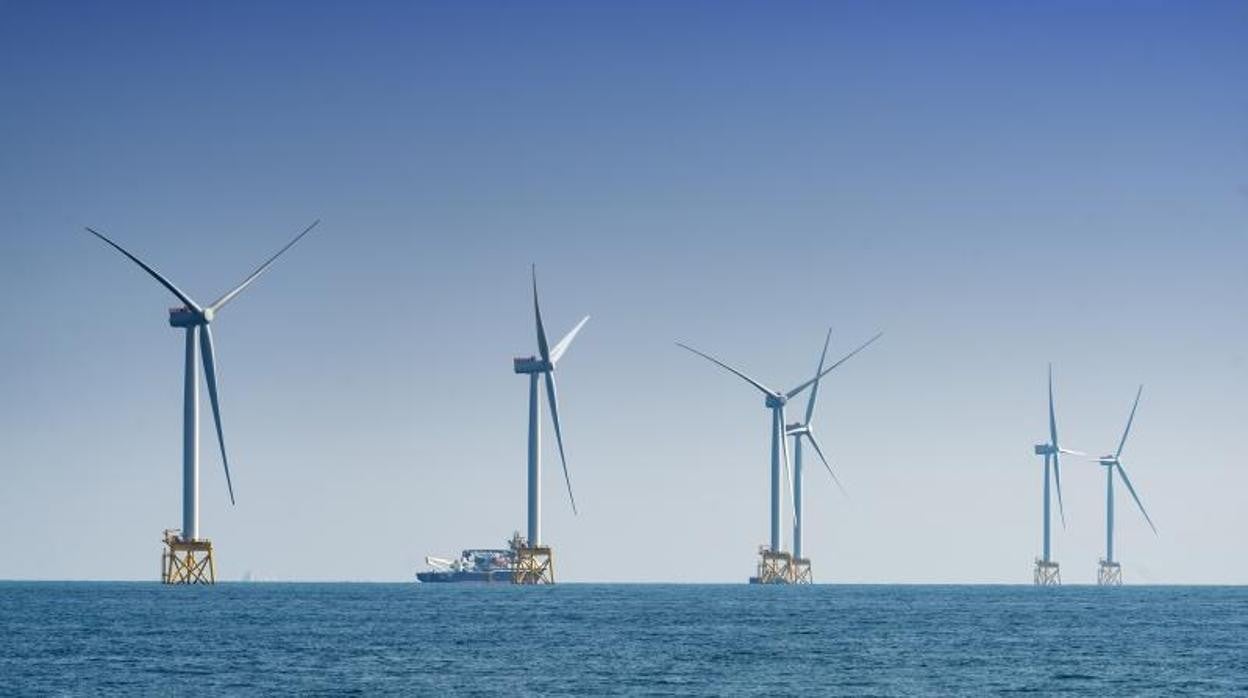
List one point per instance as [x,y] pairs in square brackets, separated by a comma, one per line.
[774,567]
[534,565]
[1109,574]
[1048,573]
[186,561]
[799,571]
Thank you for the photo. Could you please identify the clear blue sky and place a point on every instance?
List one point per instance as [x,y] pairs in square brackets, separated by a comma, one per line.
[996,185]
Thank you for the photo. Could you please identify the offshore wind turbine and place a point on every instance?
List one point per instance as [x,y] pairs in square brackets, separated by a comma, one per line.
[535,562]
[1109,572]
[188,557]
[804,430]
[774,565]
[1048,572]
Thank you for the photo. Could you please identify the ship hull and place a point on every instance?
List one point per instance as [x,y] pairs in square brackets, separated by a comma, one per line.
[440,577]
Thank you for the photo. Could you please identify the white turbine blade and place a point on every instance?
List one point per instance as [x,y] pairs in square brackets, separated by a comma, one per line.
[1130,419]
[220,302]
[564,343]
[1057,478]
[554,417]
[826,371]
[1068,452]
[542,346]
[1052,414]
[155,274]
[788,473]
[810,436]
[1057,468]
[721,364]
[814,389]
[210,373]
[1127,481]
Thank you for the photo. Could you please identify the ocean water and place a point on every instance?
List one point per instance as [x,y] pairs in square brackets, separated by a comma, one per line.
[590,639]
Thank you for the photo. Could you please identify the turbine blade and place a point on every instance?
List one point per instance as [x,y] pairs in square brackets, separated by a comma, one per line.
[1057,478]
[1052,414]
[1127,481]
[564,343]
[1057,471]
[810,436]
[721,364]
[788,472]
[814,389]
[829,369]
[155,274]
[1069,452]
[1129,421]
[554,417]
[210,373]
[542,346]
[220,302]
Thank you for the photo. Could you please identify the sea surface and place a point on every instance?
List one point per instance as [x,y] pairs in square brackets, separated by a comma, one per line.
[591,639]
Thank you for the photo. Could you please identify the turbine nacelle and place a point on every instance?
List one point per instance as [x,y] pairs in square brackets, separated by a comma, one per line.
[775,400]
[189,317]
[531,364]
[1049,450]
[1109,461]
[796,429]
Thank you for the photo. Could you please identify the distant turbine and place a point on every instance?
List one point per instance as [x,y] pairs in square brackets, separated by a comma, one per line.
[196,319]
[798,430]
[775,401]
[535,366]
[1110,572]
[1046,569]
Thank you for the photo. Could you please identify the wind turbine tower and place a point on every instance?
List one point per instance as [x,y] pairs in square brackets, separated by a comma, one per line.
[803,430]
[775,563]
[1109,572]
[1047,571]
[187,557]
[535,563]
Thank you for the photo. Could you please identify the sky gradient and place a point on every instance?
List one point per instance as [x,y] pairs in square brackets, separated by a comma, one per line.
[994,185]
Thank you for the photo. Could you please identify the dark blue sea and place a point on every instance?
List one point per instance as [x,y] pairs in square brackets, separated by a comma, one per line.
[589,639]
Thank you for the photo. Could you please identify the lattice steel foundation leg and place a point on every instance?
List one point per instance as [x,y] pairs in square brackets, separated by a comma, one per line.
[800,571]
[534,566]
[1048,574]
[187,561]
[1109,574]
[773,567]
